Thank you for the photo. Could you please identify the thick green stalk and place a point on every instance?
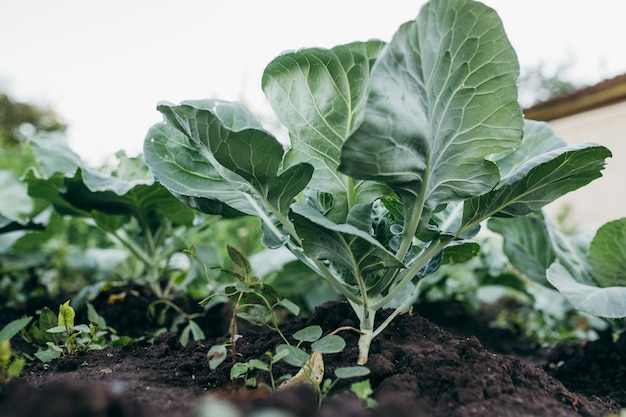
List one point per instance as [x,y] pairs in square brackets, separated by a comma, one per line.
[405,276]
[411,224]
[410,228]
[351,193]
[366,316]
[147,259]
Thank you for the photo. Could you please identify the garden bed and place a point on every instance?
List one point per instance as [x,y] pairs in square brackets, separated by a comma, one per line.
[399,154]
[417,368]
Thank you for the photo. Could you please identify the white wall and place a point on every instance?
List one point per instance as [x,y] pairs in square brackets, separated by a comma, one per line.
[604,199]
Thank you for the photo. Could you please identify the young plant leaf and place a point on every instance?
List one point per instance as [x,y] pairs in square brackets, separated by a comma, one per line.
[308,334]
[258,364]
[347,372]
[94,317]
[290,306]
[48,355]
[216,355]
[329,344]
[81,328]
[13,328]
[238,370]
[66,315]
[296,357]
[195,330]
[47,320]
[239,259]
[15,368]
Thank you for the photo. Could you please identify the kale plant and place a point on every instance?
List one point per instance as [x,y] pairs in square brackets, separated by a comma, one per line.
[398,152]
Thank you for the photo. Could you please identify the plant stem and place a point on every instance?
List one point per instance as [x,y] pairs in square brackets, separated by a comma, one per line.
[411,224]
[233,329]
[408,300]
[146,258]
[406,275]
[351,193]
[295,245]
[268,222]
[367,316]
[173,306]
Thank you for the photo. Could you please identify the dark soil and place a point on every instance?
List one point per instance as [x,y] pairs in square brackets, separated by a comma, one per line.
[418,368]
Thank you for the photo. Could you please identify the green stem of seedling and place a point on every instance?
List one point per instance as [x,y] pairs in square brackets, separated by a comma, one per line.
[274,325]
[176,308]
[233,329]
[149,262]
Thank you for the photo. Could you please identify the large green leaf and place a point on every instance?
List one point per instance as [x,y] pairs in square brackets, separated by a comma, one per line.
[7,224]
[319,95]
[539,181]
[570,251]
[14,200]
[609,302]
[75,189]
[16,207]
[576,276]
[54,155]
[526,244]
[442,98]
[178,166]
[343,244]
[538,139]
[223,154]
[607,254]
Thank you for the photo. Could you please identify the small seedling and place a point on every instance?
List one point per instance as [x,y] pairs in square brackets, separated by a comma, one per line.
[11,368]
[363,391]
[241,370]
[192,328]
[331,343]
[62,336]
[252,300]
[312,374]
[65,325]
[311,364]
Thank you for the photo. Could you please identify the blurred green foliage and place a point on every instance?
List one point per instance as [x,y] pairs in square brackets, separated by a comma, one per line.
[18,122]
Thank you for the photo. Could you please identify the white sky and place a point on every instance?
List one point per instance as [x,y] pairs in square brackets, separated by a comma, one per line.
[103,65]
